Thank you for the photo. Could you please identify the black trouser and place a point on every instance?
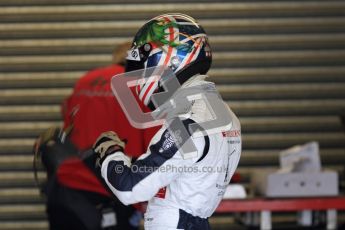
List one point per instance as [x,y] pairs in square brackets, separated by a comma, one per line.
[189,222]
[70,209]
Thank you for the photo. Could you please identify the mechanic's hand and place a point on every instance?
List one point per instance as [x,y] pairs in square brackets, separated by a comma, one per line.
[106,144]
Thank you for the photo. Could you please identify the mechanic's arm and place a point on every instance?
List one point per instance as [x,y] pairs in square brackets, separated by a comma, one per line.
[140,181]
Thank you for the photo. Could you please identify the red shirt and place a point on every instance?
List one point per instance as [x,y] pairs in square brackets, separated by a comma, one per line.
[92,109]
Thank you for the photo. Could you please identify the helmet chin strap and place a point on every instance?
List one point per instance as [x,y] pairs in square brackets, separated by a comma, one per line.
[200,67]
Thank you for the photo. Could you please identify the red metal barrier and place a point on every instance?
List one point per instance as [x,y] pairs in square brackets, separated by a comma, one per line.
[281,204]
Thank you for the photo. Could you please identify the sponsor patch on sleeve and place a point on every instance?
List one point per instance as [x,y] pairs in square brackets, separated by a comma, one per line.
[232,133]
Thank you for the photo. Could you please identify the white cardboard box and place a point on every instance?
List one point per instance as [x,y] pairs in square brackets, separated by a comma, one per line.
[301,158]
[301,184]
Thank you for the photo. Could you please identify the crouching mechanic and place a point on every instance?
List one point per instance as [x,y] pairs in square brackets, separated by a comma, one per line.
[182,190]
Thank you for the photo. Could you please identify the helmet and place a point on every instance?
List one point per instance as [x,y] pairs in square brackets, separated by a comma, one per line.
[175,41]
